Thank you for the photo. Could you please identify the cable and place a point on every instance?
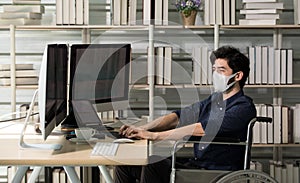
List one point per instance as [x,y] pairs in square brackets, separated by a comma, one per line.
[13,119]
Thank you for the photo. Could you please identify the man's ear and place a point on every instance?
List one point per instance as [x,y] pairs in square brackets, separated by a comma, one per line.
[239,75]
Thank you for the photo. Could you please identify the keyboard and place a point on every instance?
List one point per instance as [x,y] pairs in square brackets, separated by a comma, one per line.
[105,149]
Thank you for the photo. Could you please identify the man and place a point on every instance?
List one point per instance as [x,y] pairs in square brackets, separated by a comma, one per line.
[225,113]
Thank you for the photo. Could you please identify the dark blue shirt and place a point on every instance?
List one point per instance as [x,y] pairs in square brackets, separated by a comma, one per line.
[224,118]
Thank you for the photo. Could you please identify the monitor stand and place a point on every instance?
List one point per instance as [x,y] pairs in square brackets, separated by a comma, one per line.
[37,146]
[69,124]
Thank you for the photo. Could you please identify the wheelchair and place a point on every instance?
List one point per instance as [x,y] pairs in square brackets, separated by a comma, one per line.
[221,176]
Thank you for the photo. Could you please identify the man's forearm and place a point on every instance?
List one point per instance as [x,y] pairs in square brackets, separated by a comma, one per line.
[178,133]
[163,123]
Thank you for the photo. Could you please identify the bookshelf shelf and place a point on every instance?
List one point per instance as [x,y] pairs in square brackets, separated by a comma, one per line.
[212,34]
[260,26]
[276,145]
[145,86]
[79,27]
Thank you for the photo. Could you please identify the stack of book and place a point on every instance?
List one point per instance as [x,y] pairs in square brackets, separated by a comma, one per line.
[22,12]
[287,171]
[163,65]
[25,75]
[221,12]
[156,10]
[261,12]
[284,128]
[296,12]
[124,12]
[270,66]
[202,67]
[71,12]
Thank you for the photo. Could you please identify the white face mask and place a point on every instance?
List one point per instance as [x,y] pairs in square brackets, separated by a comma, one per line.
[220,81]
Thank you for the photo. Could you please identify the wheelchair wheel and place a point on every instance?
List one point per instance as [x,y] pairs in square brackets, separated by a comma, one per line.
[246,176]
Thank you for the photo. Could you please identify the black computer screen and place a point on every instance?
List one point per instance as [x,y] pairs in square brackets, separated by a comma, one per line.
[53,82]
[99,72]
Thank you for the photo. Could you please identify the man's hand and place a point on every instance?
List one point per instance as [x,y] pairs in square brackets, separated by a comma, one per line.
[137,132]
[127,130]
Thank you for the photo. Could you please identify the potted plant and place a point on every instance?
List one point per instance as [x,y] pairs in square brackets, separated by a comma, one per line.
[188,10]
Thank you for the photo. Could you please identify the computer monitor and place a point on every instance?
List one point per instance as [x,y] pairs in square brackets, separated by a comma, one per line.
[52,87]
[99,73]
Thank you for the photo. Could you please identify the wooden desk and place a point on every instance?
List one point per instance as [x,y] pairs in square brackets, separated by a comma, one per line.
[71,154]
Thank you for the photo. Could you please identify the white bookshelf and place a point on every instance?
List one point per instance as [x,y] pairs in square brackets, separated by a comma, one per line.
[279,36]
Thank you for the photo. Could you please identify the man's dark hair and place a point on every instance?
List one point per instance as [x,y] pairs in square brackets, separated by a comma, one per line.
[236,60]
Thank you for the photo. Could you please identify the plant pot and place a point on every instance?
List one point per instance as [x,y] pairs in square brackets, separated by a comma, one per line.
[189,20]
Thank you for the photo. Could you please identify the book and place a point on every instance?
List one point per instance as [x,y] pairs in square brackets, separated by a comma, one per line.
[296,175]
[204,65]
[20,73]
[272,168]
[232,11]
[262,16]
[284,124]
[116,12]
[72,12]
[210,70]
[147,11]
[251,53]
[19,81]
[258,22]
[66,12]
[24,8]
[26,1]
[20,21]
[168,66]
[124,12]
[260,11]
[165,17]
[277,124]
[196,56]
[79,12]
[259,1]
[55,175]
[289,66]
[132,5]
[212,12]
[258,64]
[6,67]
[264,60]
[296,124]
[59,12]
[27,15]
[296,12]
[159,66]
[62,176]
[256,128]
[289,170]
[270,126]
[158,15]
[86,15]
[219,12]
[271,65]
[277,66]
[283,71]
[263,126]
[278,169]
[206,12]
[226,14]
[270,5]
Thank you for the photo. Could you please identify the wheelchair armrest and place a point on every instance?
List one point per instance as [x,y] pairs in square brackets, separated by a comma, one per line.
[264,119]
[215,139]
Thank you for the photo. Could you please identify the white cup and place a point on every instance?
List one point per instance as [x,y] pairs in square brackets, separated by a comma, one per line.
[84,133]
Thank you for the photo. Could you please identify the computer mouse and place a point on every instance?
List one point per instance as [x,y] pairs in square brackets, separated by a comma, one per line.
[123,140]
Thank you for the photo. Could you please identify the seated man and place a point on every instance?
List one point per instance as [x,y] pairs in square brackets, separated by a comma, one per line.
[225,113]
